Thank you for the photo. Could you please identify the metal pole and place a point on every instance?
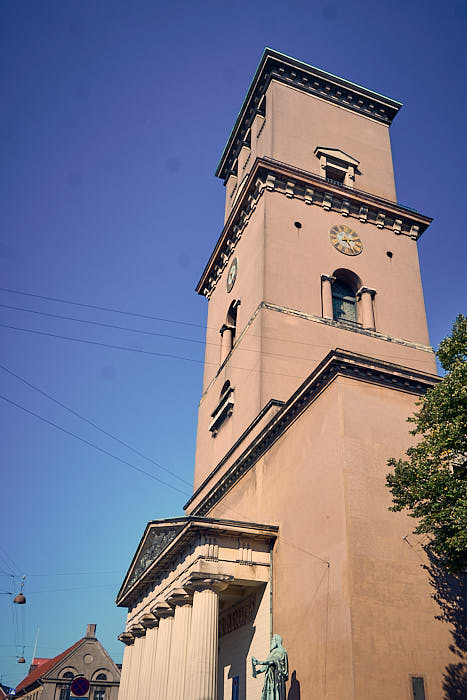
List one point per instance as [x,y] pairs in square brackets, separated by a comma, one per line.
[35,647]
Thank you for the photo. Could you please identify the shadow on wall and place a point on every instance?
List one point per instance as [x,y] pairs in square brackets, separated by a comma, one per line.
[239,668]
[450,595]
[294,690]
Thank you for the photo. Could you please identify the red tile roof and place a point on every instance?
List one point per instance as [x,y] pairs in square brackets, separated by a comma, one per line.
[44,667]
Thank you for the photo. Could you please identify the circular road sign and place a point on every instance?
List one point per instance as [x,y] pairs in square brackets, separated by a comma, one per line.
[79,686]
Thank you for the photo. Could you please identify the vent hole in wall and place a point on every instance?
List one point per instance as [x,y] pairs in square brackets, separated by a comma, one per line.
[297,224]
[389,253]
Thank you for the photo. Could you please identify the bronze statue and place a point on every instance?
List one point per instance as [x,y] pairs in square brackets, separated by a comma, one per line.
[276,668]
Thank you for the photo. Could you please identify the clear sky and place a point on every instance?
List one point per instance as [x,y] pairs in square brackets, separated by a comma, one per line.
[114,115]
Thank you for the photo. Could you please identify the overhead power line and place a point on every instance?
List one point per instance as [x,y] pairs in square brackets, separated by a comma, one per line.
[144,352]
[100,324]
[94,425]
[154,333]
[91,444]
[101,308]
[10,562]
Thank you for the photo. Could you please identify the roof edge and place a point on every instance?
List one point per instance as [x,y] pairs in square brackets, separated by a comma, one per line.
[271,54]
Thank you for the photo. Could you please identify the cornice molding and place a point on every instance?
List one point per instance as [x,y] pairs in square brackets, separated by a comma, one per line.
[308,79]
[342,325]
[336,363]
[157,561]
[271,175]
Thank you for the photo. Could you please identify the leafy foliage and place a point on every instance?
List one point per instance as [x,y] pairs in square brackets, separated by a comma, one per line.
[432,483]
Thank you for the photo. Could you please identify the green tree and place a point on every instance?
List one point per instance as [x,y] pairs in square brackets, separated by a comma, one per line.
[432,482]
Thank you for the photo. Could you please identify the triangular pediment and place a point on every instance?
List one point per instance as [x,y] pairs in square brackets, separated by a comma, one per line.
[336,154]
[157,537]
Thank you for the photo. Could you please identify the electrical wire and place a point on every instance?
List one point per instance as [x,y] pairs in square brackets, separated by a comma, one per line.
[93,424]
[7,558]
[101,308]
[100,324]
[78,573]
[145,352]
[181,338]
[91,444]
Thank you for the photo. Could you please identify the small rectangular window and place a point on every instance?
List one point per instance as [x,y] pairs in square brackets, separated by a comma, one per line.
[418,688]
[335,175]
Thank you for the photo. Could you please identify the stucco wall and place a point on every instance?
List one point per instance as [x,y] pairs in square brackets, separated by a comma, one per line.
[237,648]
[300,122]
[360,627]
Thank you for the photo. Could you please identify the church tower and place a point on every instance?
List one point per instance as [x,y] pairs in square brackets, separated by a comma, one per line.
[316,353]
[315,253]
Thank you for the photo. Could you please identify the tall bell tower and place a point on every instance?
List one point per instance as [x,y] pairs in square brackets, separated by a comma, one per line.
[316,352]
[315,253]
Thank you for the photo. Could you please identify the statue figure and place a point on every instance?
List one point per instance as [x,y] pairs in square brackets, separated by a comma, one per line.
[276,668]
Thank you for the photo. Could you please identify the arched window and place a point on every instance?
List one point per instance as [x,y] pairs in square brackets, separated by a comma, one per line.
[229,330]
[231,320]
[64,689]
[344,289]
[99,693]
[344,302]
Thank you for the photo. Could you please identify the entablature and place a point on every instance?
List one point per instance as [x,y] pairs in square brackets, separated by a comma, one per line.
[271,175]
[314,81]
[189,541]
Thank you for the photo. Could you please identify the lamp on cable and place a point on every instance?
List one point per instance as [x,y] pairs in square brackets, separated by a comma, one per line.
[20,598]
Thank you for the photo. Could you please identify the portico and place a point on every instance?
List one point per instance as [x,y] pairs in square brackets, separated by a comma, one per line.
[193,584]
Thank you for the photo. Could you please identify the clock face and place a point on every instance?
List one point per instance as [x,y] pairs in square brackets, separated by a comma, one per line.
[345,240]
[232,276]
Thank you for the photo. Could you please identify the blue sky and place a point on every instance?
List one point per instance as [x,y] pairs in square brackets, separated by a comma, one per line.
[113,118]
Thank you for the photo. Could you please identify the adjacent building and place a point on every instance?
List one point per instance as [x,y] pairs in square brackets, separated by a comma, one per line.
[317,351]
[51,679]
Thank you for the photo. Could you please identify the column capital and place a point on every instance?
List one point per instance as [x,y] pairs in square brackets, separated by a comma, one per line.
[127,638]
[179,596]
[328,278]
[366,290]
[201,582]
[138,630]
[162,609]
[149,621]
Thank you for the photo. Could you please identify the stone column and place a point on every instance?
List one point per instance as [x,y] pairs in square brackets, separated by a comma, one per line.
[201,681]
[226,341]
[326,295]
[165,613]
[128,640]
[181,601]
[366,296]
[138,632]
[150,623]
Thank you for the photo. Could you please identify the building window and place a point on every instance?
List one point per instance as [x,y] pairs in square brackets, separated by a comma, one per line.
[232,319]
[344,302]
[335,174]
[418,688]
[64,689]
[223,409]
[229,330]
[99,693]
[336,166]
